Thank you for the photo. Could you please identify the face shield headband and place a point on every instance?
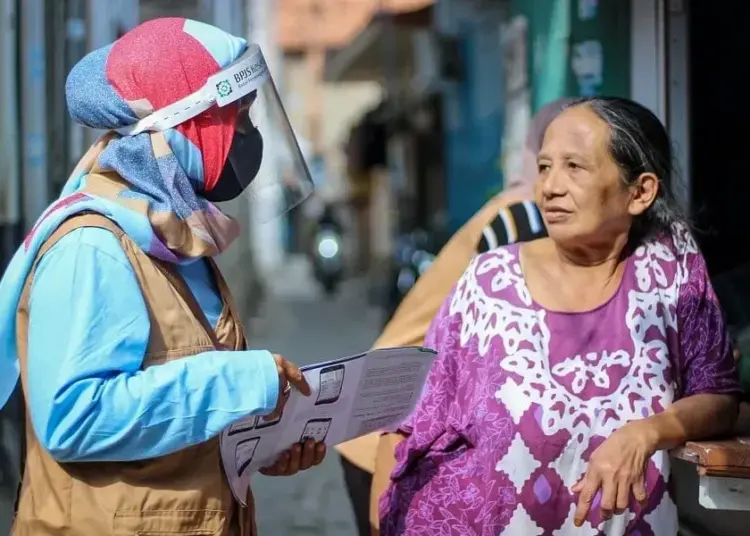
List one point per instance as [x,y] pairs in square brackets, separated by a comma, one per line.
[247,82]
[245,75]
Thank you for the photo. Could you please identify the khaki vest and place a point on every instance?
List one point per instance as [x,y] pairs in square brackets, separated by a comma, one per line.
[182,493]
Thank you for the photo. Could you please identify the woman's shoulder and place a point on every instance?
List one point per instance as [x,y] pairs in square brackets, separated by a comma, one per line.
[91,261]
[677,247]
[669,261]
[501,255]
[493,275]
[507,258]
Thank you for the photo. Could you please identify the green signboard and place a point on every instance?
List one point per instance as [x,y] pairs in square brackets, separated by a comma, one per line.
[576,47]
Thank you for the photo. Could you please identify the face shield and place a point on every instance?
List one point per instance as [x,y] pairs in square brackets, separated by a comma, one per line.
[264,161]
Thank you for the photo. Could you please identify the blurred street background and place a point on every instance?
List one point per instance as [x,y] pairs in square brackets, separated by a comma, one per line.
[409,113]
[300,322]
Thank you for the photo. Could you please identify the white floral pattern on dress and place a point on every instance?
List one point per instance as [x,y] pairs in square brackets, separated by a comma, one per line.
[508,418]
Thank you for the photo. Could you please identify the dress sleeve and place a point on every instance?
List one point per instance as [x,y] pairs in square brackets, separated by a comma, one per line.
[707,365]
[427,421]
[89,400]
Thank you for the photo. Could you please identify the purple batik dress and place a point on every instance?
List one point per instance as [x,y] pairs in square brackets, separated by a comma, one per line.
[520,396]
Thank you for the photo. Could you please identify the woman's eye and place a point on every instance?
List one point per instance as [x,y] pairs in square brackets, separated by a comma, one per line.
[543,168]
[573,165]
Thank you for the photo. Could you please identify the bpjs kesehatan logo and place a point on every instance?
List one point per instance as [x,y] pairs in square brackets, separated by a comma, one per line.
[224,88]
[249,73]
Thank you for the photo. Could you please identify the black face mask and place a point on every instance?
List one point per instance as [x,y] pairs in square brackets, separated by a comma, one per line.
[241,167]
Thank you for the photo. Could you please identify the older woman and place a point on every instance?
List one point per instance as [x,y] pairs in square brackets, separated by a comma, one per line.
[568,365]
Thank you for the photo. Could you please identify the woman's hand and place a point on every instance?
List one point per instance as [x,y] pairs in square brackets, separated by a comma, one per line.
[289,376]
[301,456]
[298,458]
[616,467]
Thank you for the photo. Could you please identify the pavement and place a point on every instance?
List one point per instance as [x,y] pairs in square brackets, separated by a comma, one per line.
[306,327]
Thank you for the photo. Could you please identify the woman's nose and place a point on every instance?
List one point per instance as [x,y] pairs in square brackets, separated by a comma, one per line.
[553,182]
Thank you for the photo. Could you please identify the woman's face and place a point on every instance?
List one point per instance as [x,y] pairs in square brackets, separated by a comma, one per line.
[579,189]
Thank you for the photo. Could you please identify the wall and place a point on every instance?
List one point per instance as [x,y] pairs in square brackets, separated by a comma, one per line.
[600,48]
[576,47]
[473,109]
[342,104]
[571,51]
[191,9]
[548,34]
[647,56]
[10,185]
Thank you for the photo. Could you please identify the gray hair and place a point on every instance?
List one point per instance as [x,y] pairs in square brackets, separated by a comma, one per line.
[639,144]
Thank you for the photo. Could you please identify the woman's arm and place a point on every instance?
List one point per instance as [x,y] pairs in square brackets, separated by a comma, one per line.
[691,419]
[89,400]
[708,372]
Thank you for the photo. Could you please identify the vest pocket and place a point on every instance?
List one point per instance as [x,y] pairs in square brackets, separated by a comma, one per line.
[171,523]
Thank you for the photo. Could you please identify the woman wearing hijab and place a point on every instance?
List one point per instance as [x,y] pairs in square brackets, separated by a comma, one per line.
[568,366]
[509,217]
[131,354]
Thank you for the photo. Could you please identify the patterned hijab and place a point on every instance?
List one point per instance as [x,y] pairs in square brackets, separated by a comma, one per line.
[149,184]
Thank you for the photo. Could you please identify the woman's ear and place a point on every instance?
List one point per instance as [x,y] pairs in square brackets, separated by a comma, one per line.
[643,193]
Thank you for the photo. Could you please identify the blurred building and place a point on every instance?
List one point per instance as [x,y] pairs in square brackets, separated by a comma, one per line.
[414,110]
[41,40]
[327,110]
[321,112]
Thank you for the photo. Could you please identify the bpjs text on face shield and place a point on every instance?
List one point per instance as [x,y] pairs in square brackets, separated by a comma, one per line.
[250,73]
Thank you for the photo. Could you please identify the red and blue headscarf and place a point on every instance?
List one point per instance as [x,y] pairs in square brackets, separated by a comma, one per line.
[150,184]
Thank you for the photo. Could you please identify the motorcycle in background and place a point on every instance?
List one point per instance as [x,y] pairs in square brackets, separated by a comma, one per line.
[413,255]
[327,251]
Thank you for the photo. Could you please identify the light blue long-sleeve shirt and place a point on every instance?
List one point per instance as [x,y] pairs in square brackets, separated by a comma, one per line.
[88,398]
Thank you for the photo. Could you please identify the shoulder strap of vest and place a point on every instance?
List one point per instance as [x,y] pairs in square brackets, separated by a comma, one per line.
[519,222]
[225,293]
[84,219]
[77,221]
[92,219]
[179,284]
